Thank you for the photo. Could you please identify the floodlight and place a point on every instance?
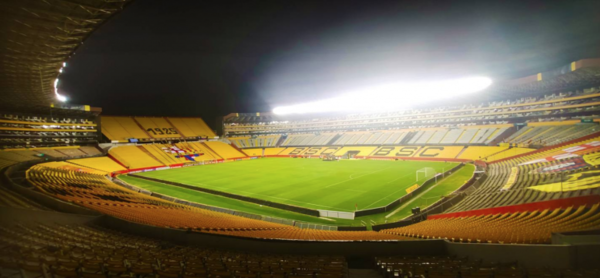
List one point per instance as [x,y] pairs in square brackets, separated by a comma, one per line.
[61,98]
[58,96]
[390,97]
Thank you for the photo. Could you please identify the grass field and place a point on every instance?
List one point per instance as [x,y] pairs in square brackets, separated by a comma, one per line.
[427,197]
[311,183]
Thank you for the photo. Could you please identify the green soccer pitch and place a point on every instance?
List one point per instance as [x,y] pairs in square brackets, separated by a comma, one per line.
[310,183]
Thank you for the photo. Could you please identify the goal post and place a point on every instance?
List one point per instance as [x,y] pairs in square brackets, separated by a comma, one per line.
[425,173]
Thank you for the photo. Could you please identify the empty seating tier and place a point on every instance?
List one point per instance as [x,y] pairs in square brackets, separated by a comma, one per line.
[223,150]
[104,163]
[123,129]
[518,227]
[96,192]
[79,250]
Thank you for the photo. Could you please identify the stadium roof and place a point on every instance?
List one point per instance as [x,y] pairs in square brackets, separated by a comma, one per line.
[37,37]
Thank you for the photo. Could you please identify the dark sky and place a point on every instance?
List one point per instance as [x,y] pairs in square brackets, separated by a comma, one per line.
[211,58]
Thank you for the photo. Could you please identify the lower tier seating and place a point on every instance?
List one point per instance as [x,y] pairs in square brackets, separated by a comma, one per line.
[519,227]
[78,250]
[103,163]
[134,157]
[96,192]
[224,150]
[447,267]
[9,198]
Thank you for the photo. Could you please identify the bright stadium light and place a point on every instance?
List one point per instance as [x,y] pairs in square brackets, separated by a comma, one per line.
[390,96]
[60,97]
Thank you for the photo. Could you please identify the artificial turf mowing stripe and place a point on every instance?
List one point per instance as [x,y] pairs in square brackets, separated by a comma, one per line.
[311,183]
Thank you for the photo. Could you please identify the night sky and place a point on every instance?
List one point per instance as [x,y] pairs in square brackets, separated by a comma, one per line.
[211,58]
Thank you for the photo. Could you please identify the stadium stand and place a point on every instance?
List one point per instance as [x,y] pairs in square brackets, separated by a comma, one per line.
[308,139]
[94,191]
[355,151]
[548,135]
[157,127]
[122,129]
[508,153]
[483,123]
[253,142]
[157,155]
[113,254]
[105,164]
[134,157]
[19,130]
[207,153]
[90,150]
[223,150]
[437,152]
[535,149]
[518,227]
[273,151]
[192,127]
[261,151]
[530,183]
[453,266]
[479,153]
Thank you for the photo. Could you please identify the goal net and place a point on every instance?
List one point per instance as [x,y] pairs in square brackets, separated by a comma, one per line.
[425,173]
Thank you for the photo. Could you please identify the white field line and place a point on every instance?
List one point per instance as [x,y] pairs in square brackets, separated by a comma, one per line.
[328,219]
[416,197]
[367,207]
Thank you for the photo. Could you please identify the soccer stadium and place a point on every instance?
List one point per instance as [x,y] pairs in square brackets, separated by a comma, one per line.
[505,184]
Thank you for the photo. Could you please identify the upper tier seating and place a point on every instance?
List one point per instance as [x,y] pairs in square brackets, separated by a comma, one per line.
[548,135]
[149,128]
[90,150]
[556,107]
[98,193]
[122,129]
[254,142]
[157,127]
[308,139]
[43,130]
[192,127]
[519,227]
[78,250]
